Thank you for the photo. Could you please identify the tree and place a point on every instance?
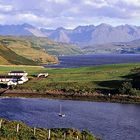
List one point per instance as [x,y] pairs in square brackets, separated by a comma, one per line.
[126,88]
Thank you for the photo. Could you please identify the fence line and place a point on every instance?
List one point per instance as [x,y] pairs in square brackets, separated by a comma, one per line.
[0,123]
[19,128]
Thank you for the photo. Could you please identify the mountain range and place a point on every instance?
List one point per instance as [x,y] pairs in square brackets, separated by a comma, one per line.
[89,35]
[89,38]
[81,35]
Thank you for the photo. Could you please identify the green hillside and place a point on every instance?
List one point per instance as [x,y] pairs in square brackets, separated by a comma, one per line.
[51,47]
[9,131]
[54,48]
[8,57]
[33,50]
[24,48]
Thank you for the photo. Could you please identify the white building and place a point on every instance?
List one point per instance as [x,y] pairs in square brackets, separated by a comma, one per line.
[43,75]
[18,73]
[12,79]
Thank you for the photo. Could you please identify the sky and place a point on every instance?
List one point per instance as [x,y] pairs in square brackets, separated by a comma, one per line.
[69,13]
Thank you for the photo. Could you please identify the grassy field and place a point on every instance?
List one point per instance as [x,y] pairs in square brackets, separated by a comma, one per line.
[8,131]
[104,79]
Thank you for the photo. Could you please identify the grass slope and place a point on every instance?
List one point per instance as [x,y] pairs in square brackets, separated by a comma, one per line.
[8,57]
[24,48]
[8,132]
[3,61]
[51,47]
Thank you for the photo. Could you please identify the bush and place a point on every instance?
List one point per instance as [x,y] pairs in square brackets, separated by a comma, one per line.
[128,89]
[87,135]
[135,92]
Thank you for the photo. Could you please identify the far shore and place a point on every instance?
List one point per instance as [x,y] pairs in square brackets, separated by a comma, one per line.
[73,96]
[32,66]
[100,83]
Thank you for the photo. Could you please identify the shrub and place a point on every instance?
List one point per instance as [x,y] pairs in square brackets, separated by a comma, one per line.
[128,89]
[87,135]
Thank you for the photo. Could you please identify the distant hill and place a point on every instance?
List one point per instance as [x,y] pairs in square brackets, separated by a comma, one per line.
[20,30]
[132,47]
[25,48]
[22,48]
[37,49]
[53,48]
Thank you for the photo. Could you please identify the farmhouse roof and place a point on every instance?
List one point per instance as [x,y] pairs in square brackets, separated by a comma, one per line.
[17,71]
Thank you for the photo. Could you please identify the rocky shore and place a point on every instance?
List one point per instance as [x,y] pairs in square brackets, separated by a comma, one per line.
[72,96]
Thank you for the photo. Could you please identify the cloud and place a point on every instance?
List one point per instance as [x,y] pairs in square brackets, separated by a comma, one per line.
[69,13]
[58,1]
[6,8]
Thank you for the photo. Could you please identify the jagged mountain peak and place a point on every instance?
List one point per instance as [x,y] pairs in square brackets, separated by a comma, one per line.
[26,25]
[104,25]
[90,34]
[84,28]
[60,28]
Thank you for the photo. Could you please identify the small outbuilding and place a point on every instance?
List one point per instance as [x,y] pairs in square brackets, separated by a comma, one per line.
[43,75]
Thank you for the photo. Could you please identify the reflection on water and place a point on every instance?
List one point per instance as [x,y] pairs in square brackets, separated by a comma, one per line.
[107,120]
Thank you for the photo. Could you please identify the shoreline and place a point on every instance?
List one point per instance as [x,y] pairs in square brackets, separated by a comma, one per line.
[126,99]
